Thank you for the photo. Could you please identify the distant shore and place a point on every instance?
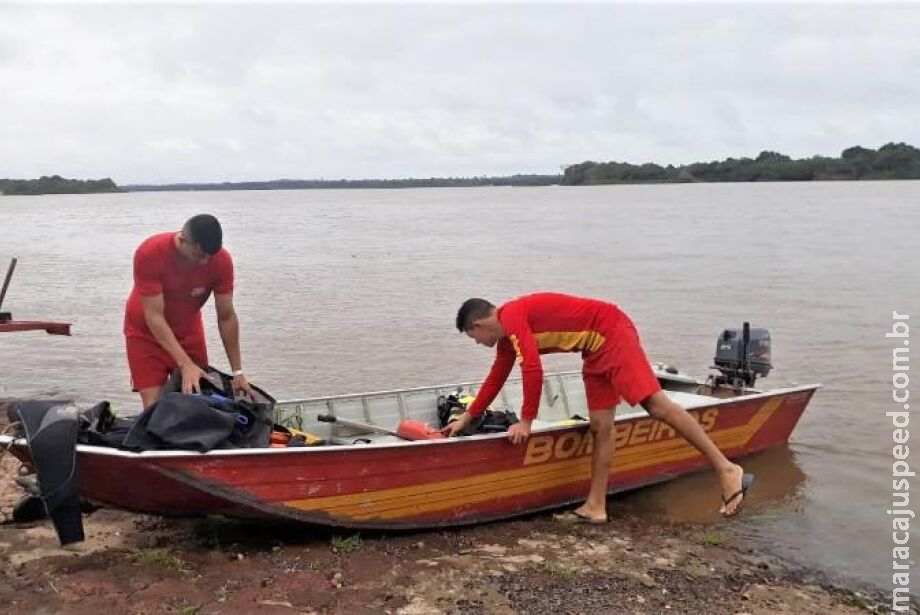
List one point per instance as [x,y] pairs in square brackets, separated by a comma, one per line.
[55,184]
[326,184]
[891,161]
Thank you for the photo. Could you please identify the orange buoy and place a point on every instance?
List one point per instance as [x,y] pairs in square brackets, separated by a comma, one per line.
[411,429]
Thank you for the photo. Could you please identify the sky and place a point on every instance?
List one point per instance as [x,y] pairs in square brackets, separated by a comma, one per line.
[160,93]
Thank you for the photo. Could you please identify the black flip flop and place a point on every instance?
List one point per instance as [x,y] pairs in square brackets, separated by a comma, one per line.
[576,517]
[747,480]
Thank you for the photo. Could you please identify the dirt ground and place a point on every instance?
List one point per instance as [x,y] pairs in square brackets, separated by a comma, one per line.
[536,565]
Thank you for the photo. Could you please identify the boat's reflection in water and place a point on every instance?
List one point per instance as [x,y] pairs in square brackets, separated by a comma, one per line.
[696,498]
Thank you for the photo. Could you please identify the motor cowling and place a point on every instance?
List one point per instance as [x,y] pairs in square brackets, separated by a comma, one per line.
[743,355]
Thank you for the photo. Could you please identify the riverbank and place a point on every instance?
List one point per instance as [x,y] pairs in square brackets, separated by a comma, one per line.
[143,564]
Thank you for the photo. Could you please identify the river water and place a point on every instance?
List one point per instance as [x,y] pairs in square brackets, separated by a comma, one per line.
[342,291]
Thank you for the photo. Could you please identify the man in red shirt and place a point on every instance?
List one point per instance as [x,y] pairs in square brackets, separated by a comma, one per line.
[174,274]
[615,368]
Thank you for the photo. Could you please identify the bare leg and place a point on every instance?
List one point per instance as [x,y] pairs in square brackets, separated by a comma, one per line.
[150,395]
[661,407]
[595,506]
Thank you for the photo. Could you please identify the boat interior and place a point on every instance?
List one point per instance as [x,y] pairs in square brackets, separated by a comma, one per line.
[563,401]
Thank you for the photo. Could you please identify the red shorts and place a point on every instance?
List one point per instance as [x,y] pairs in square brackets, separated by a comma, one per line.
[151,365]
[619,370]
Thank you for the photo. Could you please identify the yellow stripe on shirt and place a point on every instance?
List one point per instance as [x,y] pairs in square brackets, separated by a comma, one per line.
[517,347]
[568,340]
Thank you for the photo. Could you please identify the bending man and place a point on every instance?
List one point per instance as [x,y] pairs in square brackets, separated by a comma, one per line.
[615,368]
[174,274]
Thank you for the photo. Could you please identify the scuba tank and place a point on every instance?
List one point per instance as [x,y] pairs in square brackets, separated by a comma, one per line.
[452,405]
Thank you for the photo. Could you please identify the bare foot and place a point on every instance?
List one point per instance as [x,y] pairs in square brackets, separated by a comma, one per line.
[594,513]
[730,479]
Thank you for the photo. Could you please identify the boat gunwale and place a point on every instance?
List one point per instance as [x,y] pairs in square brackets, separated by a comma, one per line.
[679,377]
[9,441]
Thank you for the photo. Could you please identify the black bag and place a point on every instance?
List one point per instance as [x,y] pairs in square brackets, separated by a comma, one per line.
[491,421]
[254,418]
[495,421]
[100,427]
[216,381]
[200,422]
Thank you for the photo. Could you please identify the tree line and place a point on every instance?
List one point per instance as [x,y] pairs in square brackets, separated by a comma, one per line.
[891,161]
[308,184]
[55,184]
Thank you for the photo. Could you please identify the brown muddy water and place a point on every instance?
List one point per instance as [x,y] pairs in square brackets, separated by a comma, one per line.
[356,290]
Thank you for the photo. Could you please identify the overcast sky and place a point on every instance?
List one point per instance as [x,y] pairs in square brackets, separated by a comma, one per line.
[145,93]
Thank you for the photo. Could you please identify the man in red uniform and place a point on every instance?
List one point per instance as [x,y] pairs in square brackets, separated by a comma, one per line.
[174,274]
[615,368]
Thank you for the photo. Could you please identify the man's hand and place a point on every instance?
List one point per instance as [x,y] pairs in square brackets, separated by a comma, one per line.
[191,377]
[242,388]
[519,432]
[455,427]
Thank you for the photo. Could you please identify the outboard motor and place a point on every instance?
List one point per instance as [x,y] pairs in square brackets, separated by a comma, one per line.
[741,356]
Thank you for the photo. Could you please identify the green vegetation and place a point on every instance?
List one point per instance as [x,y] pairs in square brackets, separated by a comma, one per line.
[350,544]
[558,569]
[224,591]
[309,184]
[712,539]
[891,161]
[853,599]
[55,184]
[161,558]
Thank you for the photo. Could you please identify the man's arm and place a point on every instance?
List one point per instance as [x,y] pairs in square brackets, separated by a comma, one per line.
[229,326]
[155,317]
[528,355]
[501,368]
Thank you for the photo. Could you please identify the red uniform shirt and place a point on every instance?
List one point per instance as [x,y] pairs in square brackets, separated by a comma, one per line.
[543,323]
[158,268]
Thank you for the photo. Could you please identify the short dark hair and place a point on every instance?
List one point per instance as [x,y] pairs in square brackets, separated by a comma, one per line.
[204,230]
[471,311]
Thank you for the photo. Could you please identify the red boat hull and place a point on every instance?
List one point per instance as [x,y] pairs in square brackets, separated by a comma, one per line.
[430,483]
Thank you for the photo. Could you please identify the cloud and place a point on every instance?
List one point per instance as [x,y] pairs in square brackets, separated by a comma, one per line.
[223,92]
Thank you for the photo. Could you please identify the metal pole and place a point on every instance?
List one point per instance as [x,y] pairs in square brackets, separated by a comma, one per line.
[6,282]
[745,342]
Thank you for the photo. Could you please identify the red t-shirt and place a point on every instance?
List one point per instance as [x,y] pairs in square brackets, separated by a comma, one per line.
[543,323]
[158,268]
